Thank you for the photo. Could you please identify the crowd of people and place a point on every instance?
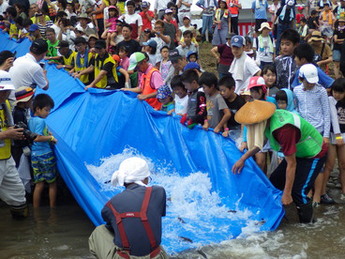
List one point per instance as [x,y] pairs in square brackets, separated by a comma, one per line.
[280,92]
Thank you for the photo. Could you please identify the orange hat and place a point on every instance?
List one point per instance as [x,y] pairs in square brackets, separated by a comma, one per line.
[116,58]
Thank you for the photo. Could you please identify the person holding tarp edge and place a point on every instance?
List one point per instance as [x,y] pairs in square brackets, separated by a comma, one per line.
[133,217]
[301,144]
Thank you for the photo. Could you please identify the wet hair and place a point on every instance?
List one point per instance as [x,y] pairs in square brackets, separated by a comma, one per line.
[227,81]
[281,96]
[127,26]
[338,85]
[189,76]
[291,35]
[306,51]
[209,79]
[177,82]
[164,47]
[41,101]
[187,32]
[130,3]
[267,68]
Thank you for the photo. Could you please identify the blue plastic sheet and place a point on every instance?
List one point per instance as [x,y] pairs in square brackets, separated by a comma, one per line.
[94,124]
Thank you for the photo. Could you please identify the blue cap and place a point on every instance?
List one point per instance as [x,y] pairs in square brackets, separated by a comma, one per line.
[33,27]
[163,92]
[191,52]
[191,65]
[238,41]
[145,4]
[151,43]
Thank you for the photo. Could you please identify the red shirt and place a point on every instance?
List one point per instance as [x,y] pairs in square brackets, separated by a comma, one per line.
[288,136]
[299,16]
[146,23]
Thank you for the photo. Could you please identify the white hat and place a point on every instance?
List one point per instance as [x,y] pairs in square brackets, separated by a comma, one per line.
[131,170]
[5,81]
[290,3]
[309,73]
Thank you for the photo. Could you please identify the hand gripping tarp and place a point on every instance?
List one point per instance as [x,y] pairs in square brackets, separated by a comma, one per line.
[94,124]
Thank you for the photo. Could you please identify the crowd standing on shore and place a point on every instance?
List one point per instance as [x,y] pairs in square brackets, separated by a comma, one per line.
[276,84]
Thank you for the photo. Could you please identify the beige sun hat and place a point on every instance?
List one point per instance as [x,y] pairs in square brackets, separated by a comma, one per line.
[254,112]
[265,25]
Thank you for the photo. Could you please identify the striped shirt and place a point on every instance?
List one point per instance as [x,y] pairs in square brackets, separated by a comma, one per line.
[313,106]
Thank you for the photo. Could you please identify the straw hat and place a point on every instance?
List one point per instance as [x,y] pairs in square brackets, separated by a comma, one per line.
[316,36]
[265,25]
[255,112]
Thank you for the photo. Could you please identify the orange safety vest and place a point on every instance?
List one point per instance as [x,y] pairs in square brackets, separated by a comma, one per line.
[233,9]
[145,84]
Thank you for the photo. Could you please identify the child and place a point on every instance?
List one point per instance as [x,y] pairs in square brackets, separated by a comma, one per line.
[313,21]
[303,30]
[123,53]
[196,108]
[242,67]
[285,16]
[323,52]
[304,54]
[269,73]
[164,96]
[187,45]
[181,97]
[65,59]
[327,20]
[146,15]
[338,38]
[264,45]
[52,43]
[111,24]
[233,101]
[192,56]
[299,16]
[337,147]
[313,106]
[285,63]
[285,100]
[150,47]
[218,112]
[42,157]
[250,51]
[165,66]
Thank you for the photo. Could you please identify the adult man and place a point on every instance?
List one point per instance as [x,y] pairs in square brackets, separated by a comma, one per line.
[159,8]
[169,28]
[177,61]
[130,44]
[26,70]
[135,216]
[301,144]
[104,68]
[84,26]
[11,187]
[150,79]
[134,20]
[183,9]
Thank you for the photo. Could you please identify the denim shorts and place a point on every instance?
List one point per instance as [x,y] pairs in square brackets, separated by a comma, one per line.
[336,55]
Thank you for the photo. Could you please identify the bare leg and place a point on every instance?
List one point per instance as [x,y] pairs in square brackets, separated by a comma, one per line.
[341,162]
[260,159]
[52,194]
[328,166]
[37,194]
[318,187]
[337,69]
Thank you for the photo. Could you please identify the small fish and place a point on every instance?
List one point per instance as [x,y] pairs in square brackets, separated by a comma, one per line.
[232,211]
[186,239]
[181,220]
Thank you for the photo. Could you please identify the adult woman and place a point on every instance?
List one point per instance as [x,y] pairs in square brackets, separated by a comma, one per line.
[222,22]
[41,20]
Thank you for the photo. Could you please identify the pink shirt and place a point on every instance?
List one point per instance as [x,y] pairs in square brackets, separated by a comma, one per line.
[156,78]
[124,63]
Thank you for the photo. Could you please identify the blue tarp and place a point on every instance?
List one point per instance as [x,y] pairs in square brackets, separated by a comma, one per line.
[94,124]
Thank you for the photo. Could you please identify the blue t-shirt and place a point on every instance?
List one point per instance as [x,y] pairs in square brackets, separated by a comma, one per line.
[39,126]
[324,79]
[260,13]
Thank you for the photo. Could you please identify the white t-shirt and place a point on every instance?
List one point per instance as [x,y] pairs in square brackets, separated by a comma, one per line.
[264,51]
[26,71]
[133,18]
[181,104]
[249,69]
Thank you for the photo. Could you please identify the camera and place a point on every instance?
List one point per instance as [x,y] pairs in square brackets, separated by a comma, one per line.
[30,136]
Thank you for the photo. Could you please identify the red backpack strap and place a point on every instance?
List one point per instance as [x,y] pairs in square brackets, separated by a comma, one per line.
[144,218]
[120,226]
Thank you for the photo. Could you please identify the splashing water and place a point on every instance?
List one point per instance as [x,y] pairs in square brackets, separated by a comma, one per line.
[196,215]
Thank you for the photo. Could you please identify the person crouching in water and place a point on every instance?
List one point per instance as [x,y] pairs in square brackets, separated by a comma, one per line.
[126,233]
[302,146]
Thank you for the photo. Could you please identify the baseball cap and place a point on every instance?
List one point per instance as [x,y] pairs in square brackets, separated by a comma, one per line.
[168,11]
[300,7]
[63,44]
[116,58]
[5,54]
[151,43]
[257,81]
[191,52]
[186,17]
[174,55]
[33,27]
[163,92]
[290,3]
[238,41]
[134,59]
[145,4]
[24,94]
[39,46]
[309,73]
[100,44]
[191,65]
[112,7]
[79,40]
[5,81]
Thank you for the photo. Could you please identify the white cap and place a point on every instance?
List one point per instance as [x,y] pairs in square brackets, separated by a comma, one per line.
[5,81]
[309,73]
[290,3]
[131,170]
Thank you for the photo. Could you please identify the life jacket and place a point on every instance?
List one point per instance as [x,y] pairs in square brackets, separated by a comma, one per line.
[5,144]
[68,60]
[103,83]
[142,214]
[145,84]
[83,64]
[310,143]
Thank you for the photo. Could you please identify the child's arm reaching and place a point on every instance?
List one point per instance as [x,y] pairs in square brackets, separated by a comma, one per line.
[41,138]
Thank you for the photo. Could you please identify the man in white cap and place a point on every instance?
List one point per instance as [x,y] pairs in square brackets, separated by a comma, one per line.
[11,187]
[133,218]
[302,146]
